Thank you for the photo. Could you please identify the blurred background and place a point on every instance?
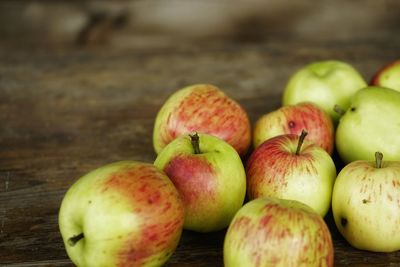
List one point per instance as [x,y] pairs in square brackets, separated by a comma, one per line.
[128,23]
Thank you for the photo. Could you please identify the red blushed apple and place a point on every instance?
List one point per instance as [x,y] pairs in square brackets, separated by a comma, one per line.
[202,108]
[285,167]
[123,214]
[210,177]
[388,76]
[293,119]
[277,232]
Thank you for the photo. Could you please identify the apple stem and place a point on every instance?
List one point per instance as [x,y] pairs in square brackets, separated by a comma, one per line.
[301,140]
[73,240]
[378,159]
[195,140]
[338,110]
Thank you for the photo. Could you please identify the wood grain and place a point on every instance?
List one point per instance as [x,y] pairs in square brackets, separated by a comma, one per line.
[64,112]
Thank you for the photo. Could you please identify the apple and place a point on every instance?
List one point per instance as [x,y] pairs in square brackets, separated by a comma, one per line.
[366,204]
[292,119]
[289,167]
[326,83]
[202,108]
[123,214]
[372,123]
[209,174]
[388,76]
[277,232]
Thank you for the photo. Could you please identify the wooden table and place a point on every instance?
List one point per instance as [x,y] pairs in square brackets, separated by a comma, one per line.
[66,111]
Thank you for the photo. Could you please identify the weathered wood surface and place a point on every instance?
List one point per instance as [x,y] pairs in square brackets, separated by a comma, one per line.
[65,112]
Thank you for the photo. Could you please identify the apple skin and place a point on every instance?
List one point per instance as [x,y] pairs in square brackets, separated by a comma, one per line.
[372,123]
[275,170]
[366,205]
[388,76]
[293,119]
[212,183]
[325,83]
[129,212]
[277,232]
[206,109]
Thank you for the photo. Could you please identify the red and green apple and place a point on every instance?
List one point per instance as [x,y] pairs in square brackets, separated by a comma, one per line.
[292,119]
[210,176]
[123,214]
[206,109]
[289,167]
[277,232]
[388,76]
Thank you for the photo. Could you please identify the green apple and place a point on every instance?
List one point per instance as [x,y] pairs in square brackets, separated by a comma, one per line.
[274,232]
[292,119]
[210,176]
[366,204]
[285,167]
[327,83]
[388,76]
[372,123]
[123,214]
[206,109]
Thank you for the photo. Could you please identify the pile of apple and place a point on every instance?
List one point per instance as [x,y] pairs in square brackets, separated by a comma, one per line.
[132,213]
